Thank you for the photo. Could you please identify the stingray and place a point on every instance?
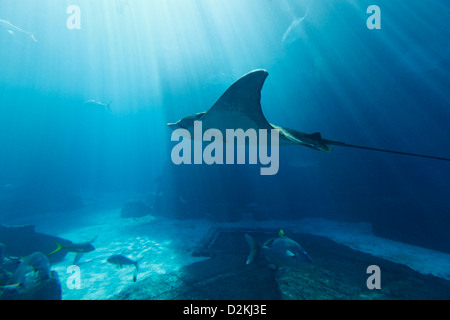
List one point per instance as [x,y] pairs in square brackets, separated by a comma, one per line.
[240,108]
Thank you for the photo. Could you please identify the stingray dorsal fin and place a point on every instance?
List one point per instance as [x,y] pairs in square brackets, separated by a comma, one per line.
[242,102]
[244,95]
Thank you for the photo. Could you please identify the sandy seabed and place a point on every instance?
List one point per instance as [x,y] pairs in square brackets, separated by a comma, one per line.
[163,246]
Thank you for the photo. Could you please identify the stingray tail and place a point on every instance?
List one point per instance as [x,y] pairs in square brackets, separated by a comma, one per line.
[254,249]
[343,144]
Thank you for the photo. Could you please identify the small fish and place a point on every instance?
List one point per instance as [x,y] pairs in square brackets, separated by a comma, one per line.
[120,260]
[283,252]
[78,248]
[10,29]
[96,103]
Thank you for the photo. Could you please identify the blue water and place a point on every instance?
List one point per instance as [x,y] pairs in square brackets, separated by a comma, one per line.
[157,61]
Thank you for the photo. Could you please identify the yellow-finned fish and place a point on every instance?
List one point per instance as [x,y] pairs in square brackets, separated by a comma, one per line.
[78,248]
[120,260]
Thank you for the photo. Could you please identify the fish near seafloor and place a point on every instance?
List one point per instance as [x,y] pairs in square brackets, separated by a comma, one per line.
[78,248]
[120,260]
[282,252]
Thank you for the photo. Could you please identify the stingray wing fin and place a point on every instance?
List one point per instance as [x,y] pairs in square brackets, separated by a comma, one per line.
[240,106]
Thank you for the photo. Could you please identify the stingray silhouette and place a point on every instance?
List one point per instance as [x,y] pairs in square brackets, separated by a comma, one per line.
[240,108]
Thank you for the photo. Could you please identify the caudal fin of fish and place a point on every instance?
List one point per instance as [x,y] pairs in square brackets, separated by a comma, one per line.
[254,249]
[136,264]
[58,248]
